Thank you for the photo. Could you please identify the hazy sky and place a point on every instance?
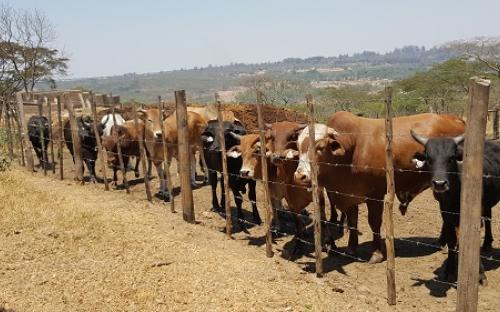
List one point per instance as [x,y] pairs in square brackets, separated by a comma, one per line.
[107,37]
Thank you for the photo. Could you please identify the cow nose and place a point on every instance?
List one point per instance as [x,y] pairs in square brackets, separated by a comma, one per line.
[301,178]
[439,185]
[158,135]
[244,172]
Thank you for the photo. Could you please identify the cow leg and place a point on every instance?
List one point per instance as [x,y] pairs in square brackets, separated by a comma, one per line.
[299,236]
[238,200]
[192,162]
[150,169]
[204,167]
[161,175]
[442,235]
[91,167]
[352,223]
[115,176]
[126,161]
[488,237]
[38,152]
[136,168]
[253,198]
[451,264]
[277,207]
[375,211]
[212,178]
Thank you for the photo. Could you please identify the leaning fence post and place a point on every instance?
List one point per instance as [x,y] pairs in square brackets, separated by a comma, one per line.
[471,195]
[75,138]
[23,127]
[9,130]
[49,112]
[265,177]
[166,162]
[389,201]
[314,188]
[41,137]
[225,175]
[142,152]
[496,123]
[60,152]
[100,149]
[184,156]
[119,151]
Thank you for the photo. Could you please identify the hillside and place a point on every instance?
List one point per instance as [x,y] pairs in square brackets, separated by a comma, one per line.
[317,72]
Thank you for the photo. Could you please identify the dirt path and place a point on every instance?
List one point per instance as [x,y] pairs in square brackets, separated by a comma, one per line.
[67,247]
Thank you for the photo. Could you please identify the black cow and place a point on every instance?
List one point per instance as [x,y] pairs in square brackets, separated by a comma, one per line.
[213,158]
[88,142]
[442,157]
[35,124]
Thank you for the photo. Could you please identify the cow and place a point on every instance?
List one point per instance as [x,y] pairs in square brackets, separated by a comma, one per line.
[107,122]
[280,136]
[154,143]
[38,126]
[443,157]
[85,128]
[213,156]
[350,152]
[128,136]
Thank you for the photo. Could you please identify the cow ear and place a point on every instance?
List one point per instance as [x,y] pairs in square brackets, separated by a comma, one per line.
[419,160]
[234,152]
[141,113]
[336,147]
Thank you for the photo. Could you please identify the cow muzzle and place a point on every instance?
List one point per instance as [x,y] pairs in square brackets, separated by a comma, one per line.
[301,178]
[246,173]
[440,186]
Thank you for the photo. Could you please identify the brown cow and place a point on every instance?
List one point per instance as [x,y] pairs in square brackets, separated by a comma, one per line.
[280,136]
[350,151]
[154,144]
[128,136]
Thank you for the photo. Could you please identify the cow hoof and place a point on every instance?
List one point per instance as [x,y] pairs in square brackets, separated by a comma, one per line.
[376,258]
[483,280]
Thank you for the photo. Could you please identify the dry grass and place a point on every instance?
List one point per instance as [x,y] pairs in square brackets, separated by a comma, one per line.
[67,247]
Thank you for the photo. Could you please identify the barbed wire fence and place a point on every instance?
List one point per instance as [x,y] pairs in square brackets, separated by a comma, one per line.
[20,147]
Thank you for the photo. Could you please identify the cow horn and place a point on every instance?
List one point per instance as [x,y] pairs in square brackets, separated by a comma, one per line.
[332,131]
[459,139]
[235,135]
[419,138]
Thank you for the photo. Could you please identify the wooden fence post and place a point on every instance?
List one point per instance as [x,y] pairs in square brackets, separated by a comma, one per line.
[314,188]
[166,163]
[23,127]
[265,177]
[51,142]
[10,140]
[119,151]
[496,123]
[41,137]
[389,201]
[75,138]
[143,154]
[100,149]
[225,174]
[60,152]
[471,195]
[184,157]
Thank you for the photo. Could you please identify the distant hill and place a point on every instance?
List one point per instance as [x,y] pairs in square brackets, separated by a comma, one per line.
[201,83]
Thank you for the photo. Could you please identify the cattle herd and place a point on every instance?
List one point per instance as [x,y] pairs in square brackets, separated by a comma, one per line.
[349,151]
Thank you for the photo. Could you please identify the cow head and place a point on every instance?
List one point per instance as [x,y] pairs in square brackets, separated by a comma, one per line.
[249,150]
[281,137]
[442,157]
[327,150]
[152,122]
[232,134]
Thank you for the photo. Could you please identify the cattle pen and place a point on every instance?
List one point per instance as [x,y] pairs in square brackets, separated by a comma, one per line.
[401,244]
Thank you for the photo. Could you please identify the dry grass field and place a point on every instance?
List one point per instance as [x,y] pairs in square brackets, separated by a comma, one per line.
[67,247]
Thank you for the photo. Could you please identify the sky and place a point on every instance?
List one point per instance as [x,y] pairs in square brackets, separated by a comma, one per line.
[111,37]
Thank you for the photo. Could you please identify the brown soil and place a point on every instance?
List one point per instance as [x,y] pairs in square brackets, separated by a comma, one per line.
[68,247]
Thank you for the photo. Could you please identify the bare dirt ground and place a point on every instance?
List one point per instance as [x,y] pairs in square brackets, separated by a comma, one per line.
[67,247]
